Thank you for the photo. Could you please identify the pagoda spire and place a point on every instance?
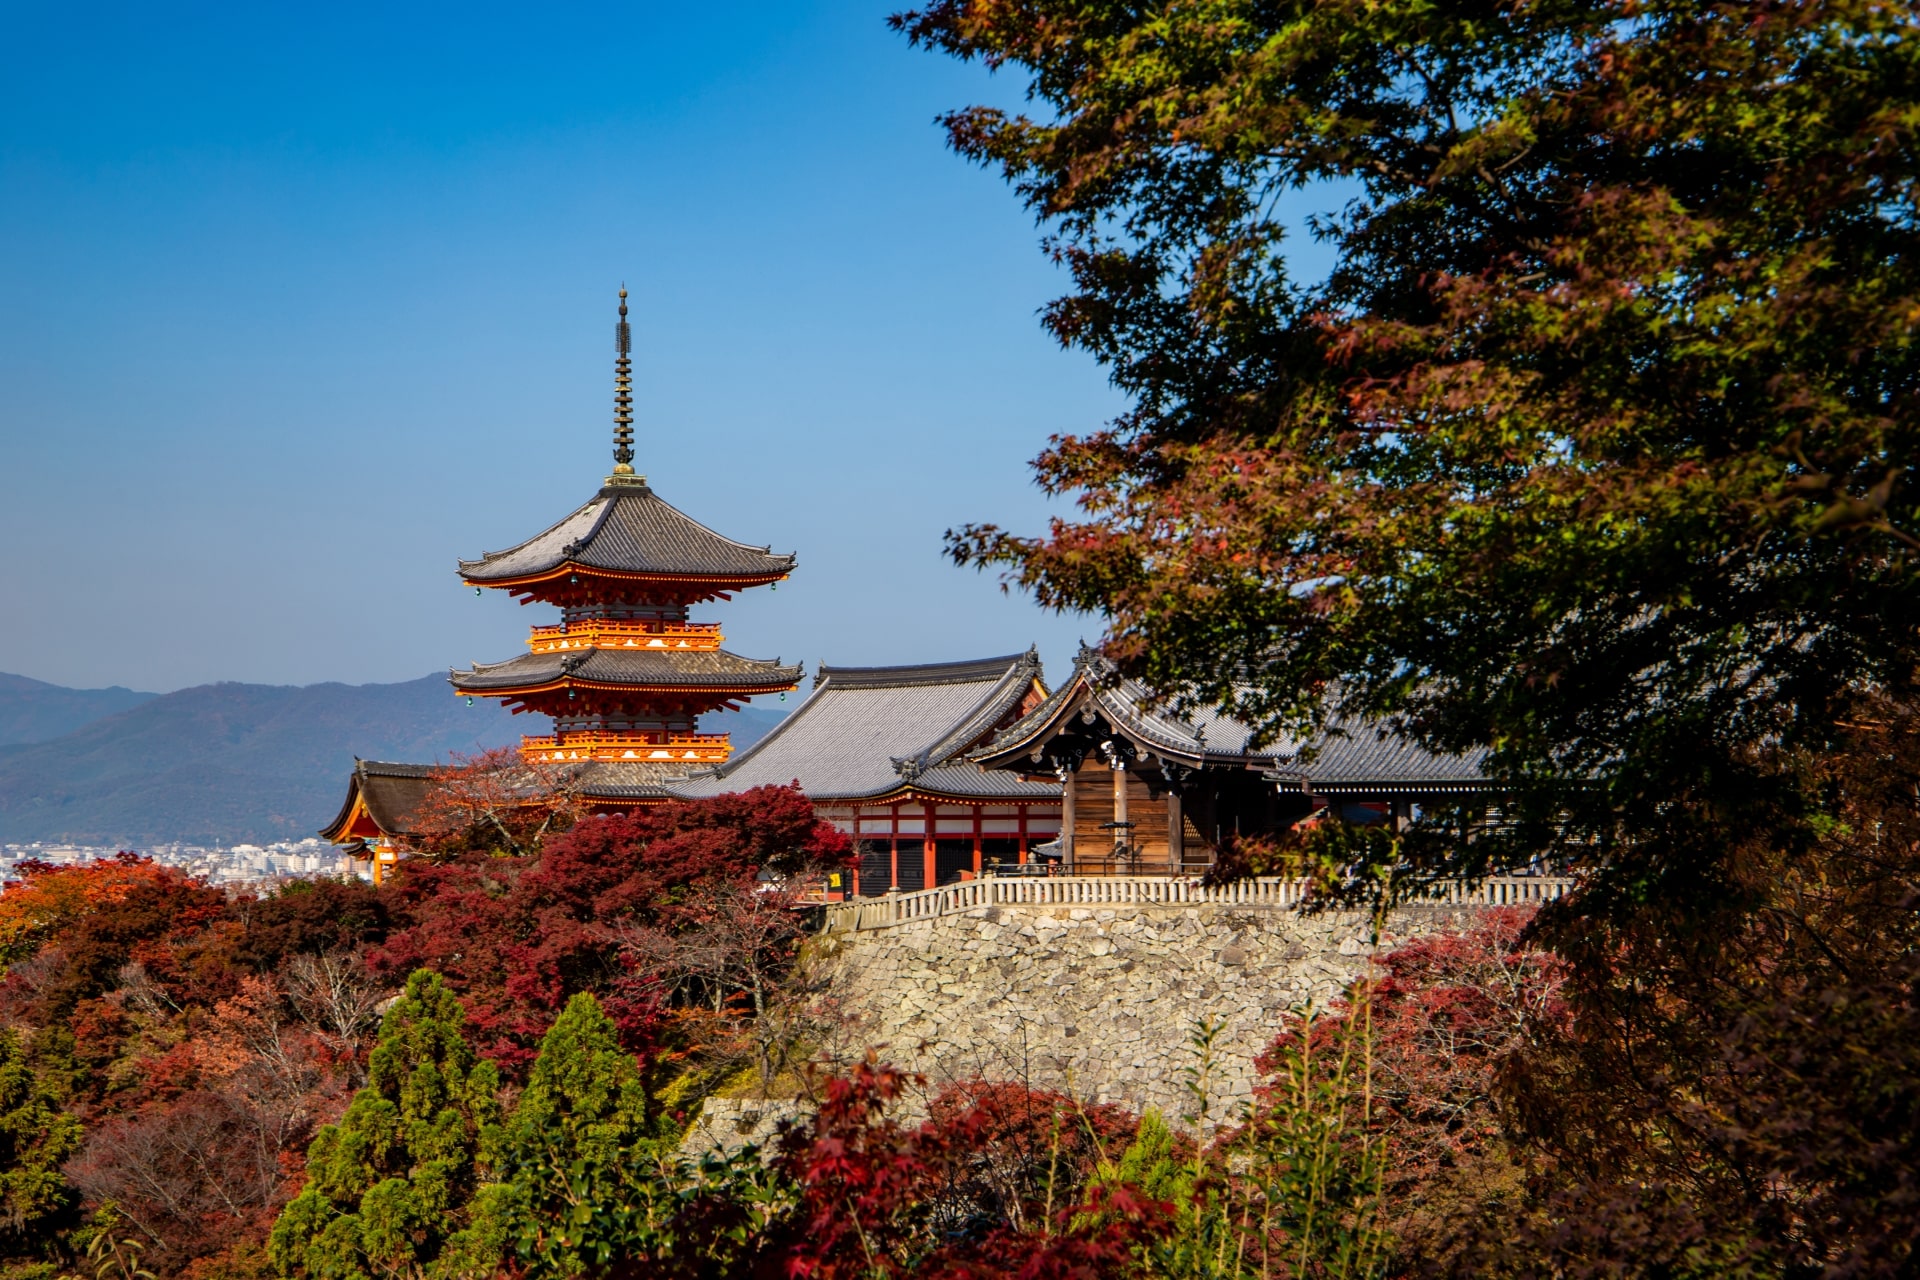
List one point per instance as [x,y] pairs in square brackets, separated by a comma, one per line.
[623,392]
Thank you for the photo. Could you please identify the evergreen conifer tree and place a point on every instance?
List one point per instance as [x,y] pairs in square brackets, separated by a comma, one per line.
[392,1182]
[35,1137]
[578,1178]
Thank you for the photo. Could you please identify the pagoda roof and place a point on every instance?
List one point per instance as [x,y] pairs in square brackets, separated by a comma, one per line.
[715,669]
[869,732]
[618,780]
[628,529]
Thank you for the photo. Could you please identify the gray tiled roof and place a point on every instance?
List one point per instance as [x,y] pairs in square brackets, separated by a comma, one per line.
[628,780]
[967,779]
[1360,757]
[1208,737]
[628,528]
[1346,757]
[671,668]
[870,731]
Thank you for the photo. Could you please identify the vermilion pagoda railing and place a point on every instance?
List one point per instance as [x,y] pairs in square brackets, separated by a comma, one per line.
[698,748]
[604,634]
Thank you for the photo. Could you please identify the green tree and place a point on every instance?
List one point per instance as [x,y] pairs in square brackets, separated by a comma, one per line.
[581,1163]
[36,1136]
[1591,449]
[389,1185]
[1294,1189]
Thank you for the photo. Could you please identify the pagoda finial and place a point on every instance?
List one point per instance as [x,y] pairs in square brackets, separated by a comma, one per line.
[623,392]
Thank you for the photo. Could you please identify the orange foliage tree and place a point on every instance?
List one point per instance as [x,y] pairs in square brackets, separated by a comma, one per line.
[47,897]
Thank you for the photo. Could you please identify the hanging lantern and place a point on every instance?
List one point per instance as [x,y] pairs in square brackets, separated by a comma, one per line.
[476,591]
[469,699]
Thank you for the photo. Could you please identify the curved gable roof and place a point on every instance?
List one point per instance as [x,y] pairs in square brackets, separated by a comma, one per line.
[1347,756]
[388,792]
[1209,738]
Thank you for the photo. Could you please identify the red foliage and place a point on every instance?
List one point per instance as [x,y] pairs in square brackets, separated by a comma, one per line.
[84,924]
[1451,1011]
[1103,1236]
[1021,1154]
[516,936]
[497,801]
[860,1174]
[1448,1016]
[206,1148]
[959,1195]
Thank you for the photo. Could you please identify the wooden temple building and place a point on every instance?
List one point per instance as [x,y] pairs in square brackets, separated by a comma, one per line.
[882,753]
[1148,792]
[374,820]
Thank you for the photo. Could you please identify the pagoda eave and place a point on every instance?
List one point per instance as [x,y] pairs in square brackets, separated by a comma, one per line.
[585,582]
[637,691]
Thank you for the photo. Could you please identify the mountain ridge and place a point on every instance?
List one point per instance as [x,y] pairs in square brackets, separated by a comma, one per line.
[230,762]
[35,711]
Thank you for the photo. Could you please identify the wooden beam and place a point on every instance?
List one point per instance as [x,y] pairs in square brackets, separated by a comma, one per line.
[1066,820]
[1176,831]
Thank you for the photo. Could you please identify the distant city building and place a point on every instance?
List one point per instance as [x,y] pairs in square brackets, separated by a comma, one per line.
[240,864]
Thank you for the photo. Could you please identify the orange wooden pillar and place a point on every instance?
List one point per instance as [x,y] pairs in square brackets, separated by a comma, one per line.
[893,852]
[930,874]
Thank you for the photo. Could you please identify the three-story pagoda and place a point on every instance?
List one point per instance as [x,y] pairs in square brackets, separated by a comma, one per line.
[626,672]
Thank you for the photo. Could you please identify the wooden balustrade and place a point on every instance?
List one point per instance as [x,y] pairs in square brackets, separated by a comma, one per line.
[700,748]
[625,634]
[1135,891]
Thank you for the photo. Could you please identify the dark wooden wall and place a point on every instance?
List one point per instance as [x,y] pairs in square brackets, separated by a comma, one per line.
[1147,811]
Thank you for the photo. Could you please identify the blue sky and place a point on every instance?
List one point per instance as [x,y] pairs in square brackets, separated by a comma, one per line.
[302,303]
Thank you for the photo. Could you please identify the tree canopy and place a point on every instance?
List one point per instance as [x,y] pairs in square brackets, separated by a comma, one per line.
[575,1153]
[35,1137]
[1591,447]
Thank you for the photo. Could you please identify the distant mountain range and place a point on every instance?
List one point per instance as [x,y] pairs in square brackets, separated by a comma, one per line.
[225,763]
[31,711]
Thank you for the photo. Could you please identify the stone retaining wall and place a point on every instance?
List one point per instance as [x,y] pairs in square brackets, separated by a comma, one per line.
[727,1124]
[1099,1002]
